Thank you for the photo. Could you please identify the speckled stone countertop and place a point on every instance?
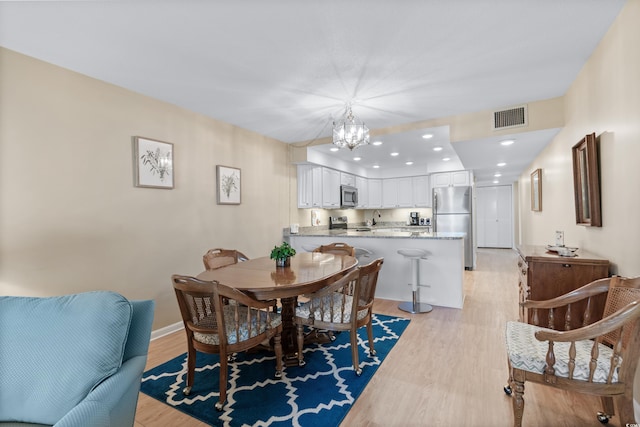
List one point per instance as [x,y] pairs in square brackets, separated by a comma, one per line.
[382,230]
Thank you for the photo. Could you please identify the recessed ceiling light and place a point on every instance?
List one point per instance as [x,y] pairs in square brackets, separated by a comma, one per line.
[376,166]
[427,136]
[357,159]
[333,149]
[446,159]
[495,181]
[437,148]
[395,153]
[498,175]
[507,142]
[377,143]
[408,163]
[502,164]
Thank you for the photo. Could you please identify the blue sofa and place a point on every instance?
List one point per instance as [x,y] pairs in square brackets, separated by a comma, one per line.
[72,361]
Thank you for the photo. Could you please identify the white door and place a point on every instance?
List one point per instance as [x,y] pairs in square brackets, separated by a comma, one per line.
[494,216]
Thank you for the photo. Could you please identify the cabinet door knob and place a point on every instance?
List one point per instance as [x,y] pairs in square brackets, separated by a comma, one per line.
[566,265]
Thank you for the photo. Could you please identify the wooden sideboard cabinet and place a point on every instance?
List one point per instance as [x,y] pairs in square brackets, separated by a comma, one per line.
[545,275]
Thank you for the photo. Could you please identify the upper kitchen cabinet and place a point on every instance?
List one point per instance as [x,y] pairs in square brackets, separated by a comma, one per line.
[330,188]
[375,193]
[421,191]
[362,184]
[309,186]
[451,179]
[397,193]
[347,179]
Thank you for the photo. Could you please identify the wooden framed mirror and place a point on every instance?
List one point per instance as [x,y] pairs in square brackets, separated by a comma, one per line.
[536,190]
[586,182]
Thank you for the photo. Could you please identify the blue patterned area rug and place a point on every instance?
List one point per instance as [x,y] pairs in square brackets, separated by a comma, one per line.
[318,394]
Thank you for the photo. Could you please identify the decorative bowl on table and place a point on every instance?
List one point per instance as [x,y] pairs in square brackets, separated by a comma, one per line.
[562,250]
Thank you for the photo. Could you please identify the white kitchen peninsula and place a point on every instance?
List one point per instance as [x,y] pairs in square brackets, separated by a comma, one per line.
[441,274]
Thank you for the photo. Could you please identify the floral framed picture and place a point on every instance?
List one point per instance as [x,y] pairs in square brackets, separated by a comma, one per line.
[229,185]
[153,163]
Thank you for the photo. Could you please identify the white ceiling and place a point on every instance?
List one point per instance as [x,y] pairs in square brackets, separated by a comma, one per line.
[285,69]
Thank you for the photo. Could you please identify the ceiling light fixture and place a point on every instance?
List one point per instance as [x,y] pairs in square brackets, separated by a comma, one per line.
[446,159]
[437,148]
[350,131]
[357,159]
[334,149]
[395,153]
[495,181]
[498,175]
[427,136]
[507,142]
[408,163]
[377,143]
[502,164]
[376,166]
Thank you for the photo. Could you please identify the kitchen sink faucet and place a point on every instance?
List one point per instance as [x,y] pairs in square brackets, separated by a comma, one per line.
[373,219]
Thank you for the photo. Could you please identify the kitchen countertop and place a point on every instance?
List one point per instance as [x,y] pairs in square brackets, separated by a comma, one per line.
[384,231]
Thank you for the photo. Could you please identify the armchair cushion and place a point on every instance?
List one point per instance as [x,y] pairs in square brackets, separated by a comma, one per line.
[526,352]
[54,351]
[337,309]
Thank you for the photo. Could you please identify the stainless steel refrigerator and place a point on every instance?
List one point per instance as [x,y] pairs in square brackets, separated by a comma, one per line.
[452,211]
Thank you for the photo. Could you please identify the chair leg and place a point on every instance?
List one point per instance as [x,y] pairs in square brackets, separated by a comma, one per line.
[625,408]
[372,351]
[518,400]
[607,409]
[300,329]
[223,381]
[191,369]
[277,346]
[354,352]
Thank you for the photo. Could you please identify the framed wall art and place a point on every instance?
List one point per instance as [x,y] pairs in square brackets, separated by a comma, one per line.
[153,163]
[229,185]
[536,190]
[586,181]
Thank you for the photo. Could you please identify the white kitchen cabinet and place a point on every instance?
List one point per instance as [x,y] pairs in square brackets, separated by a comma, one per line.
[309,186]
[330,188]
[421,191]
[451,179]
[375,193]
[347,179]
[397,193]
[362,184]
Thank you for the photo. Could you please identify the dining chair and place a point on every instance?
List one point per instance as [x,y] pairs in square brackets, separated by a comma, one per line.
[337,249]
[344,305]
[600,358]
[218,257]
[215,327]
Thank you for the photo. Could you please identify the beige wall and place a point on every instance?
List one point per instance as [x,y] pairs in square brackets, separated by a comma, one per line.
[71,219]
[605,99]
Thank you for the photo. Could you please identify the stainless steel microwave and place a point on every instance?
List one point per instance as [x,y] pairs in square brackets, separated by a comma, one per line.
[348,196]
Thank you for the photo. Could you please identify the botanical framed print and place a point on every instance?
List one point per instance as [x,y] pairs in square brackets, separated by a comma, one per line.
[536,190]
[153,163]
[229,185]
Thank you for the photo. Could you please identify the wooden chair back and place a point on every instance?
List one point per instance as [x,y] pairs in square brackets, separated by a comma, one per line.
[337,249]
[218,257]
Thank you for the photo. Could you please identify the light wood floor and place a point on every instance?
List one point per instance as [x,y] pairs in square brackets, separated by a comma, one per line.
[447,369]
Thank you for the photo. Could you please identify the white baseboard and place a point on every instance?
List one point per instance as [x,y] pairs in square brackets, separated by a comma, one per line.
[166,330]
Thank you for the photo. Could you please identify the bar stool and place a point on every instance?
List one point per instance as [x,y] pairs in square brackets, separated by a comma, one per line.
[415,255]
[362,253]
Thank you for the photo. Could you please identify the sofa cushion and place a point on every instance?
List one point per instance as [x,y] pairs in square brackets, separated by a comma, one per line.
[54,351]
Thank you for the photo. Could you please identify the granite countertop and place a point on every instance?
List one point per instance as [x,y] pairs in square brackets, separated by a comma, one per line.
[377,231]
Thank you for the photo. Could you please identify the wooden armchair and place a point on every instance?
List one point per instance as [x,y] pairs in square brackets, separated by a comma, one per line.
[599,358]
[337,249]
[217,258]
[344,305]
[215,327]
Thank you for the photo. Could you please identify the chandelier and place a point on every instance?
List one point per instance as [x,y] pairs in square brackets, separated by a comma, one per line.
[350,131]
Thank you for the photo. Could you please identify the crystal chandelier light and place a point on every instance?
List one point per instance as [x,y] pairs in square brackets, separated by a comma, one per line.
[350,131]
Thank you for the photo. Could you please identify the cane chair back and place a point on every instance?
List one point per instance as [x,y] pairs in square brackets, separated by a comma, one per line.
[337,249]
[599,359]
[217,258]
[214,326]
[344,305]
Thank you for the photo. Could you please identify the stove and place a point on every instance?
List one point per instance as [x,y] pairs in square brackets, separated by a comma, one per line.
[337,222]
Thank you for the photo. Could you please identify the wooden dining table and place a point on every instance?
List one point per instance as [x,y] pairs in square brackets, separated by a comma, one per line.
[262,280]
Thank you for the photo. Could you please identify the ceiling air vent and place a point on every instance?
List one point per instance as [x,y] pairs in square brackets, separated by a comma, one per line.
[511,118]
